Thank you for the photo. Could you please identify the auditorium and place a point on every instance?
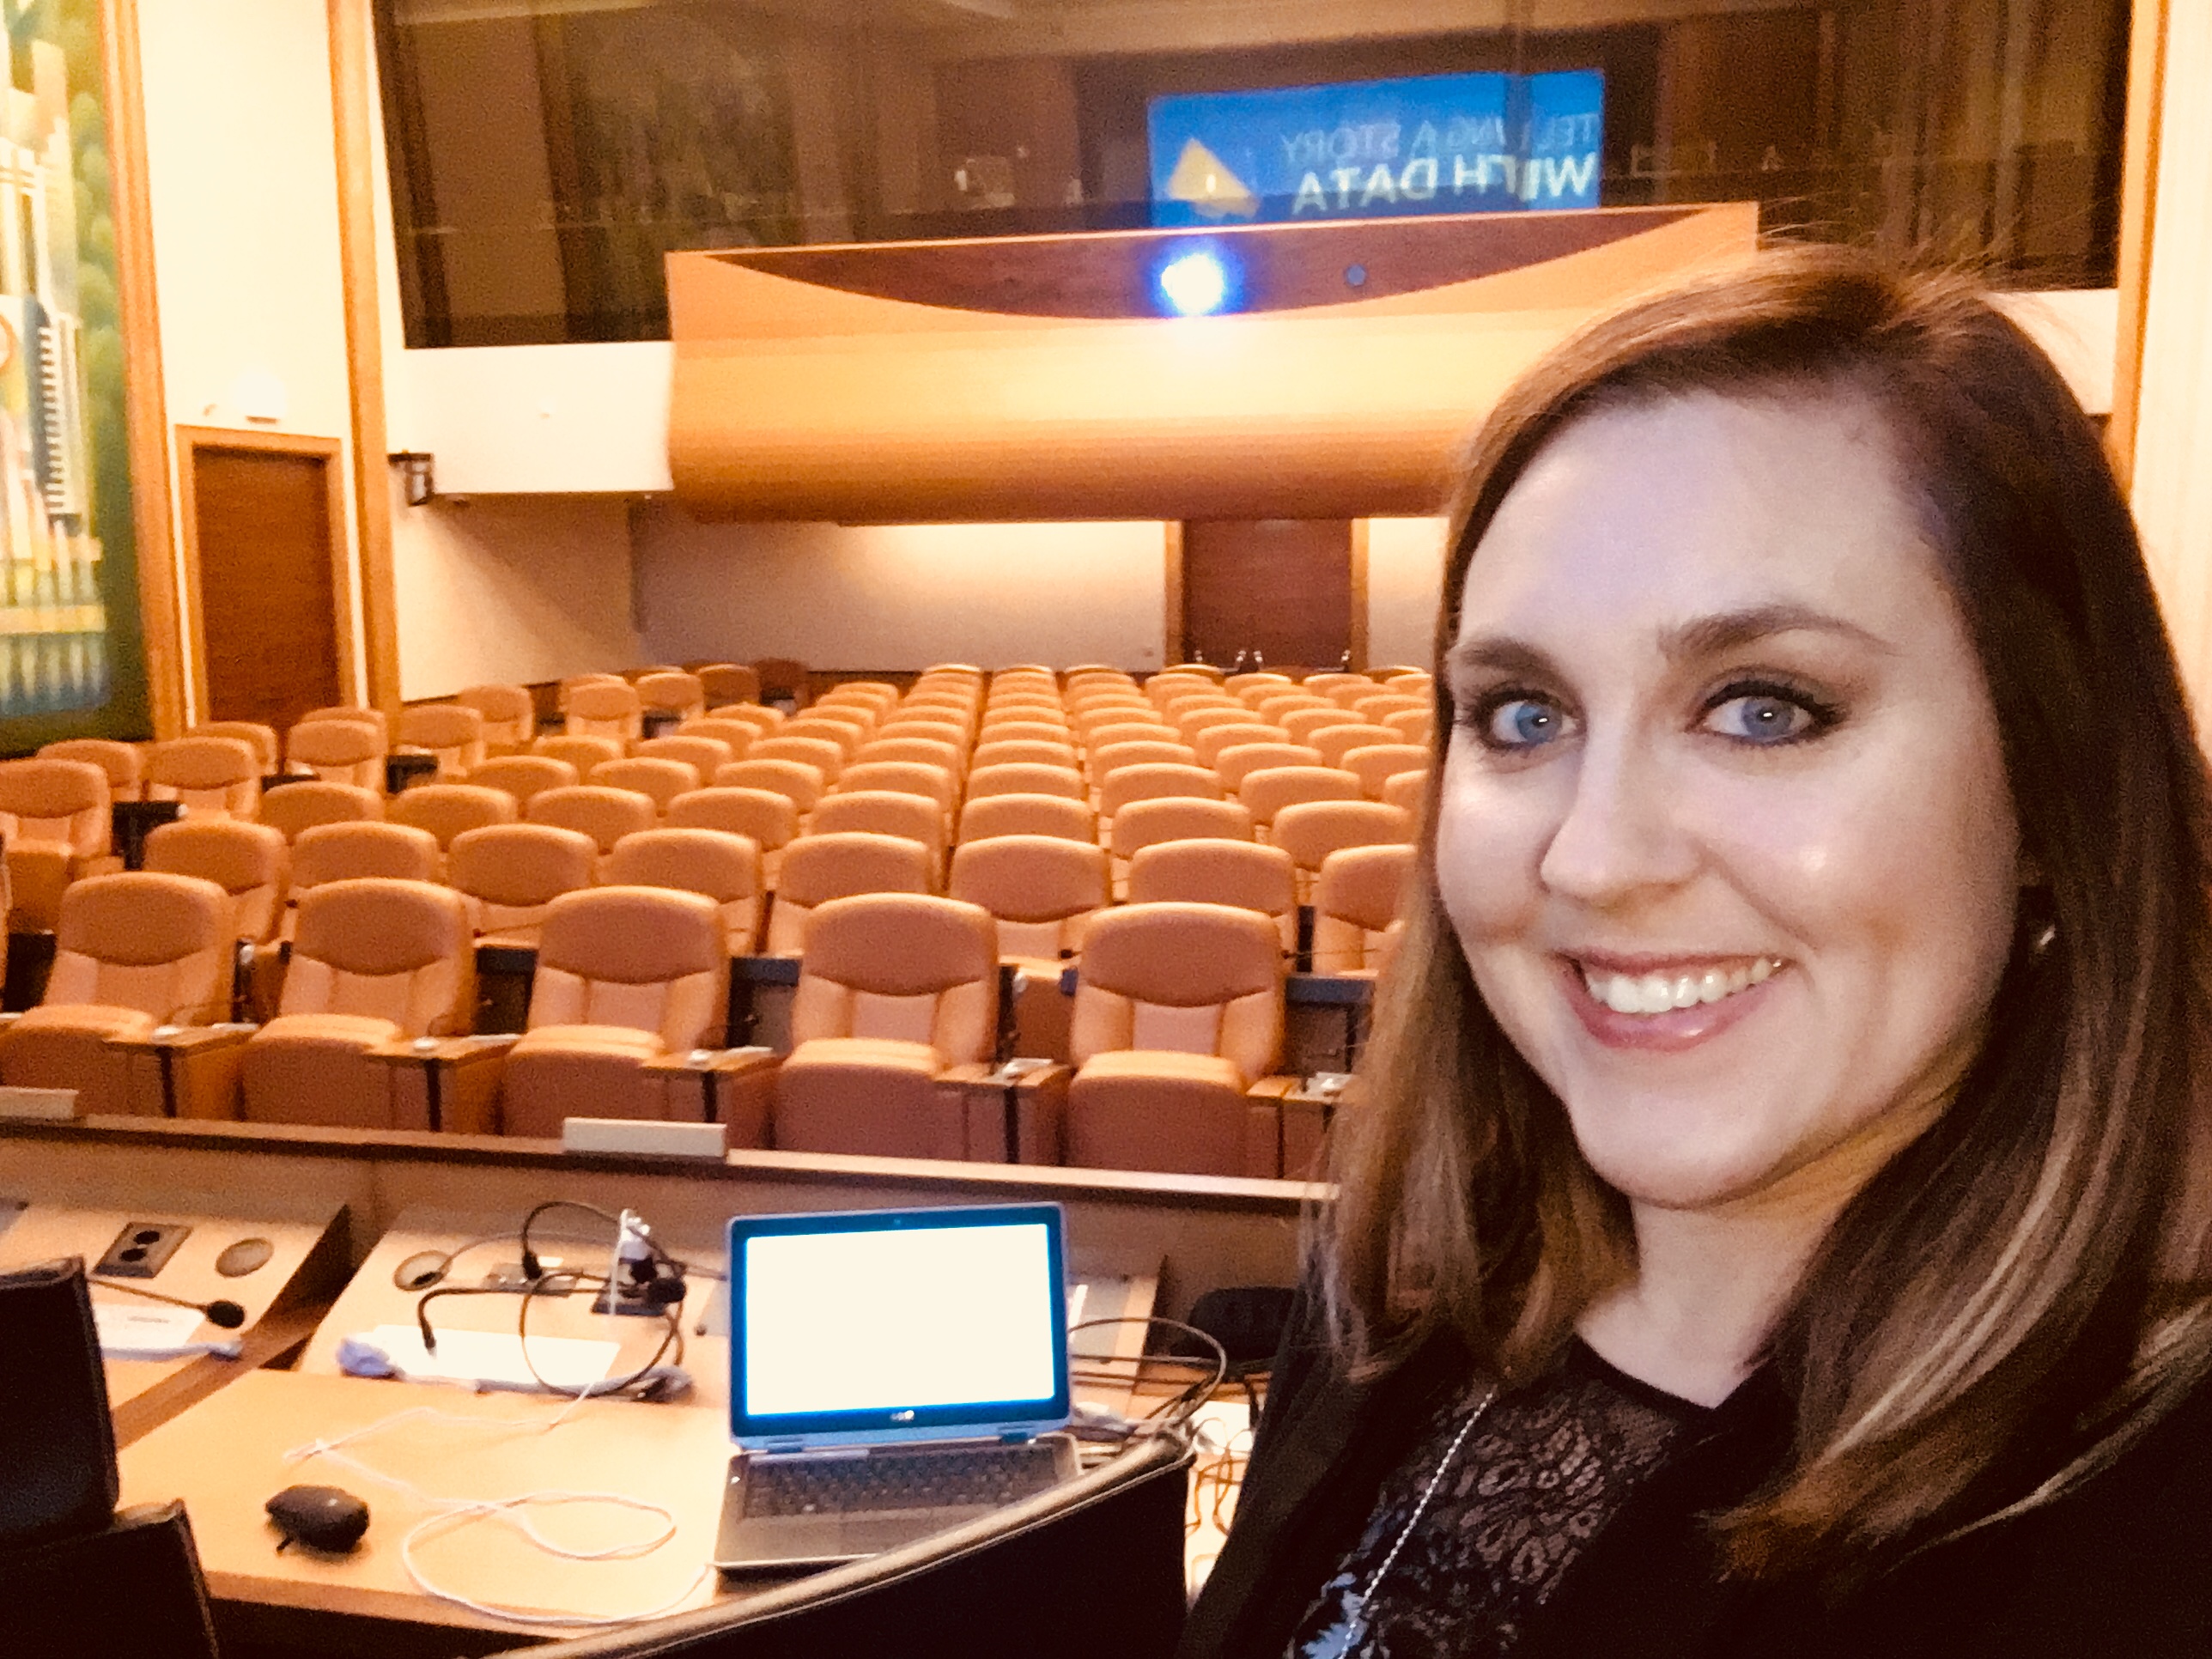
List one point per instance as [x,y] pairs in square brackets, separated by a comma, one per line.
[807,807]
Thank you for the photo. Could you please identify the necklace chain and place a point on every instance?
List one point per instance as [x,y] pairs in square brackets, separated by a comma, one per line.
[1356,1624]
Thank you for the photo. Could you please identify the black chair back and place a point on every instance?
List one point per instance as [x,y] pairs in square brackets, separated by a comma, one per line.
[132,1588]
[57,1444]
[1090,1570]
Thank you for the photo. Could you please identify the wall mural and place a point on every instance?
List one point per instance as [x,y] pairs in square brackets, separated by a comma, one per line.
[71,662]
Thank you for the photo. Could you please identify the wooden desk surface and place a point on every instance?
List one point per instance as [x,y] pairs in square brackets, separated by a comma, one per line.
[373,1297]
[304,1253]
[225,1457]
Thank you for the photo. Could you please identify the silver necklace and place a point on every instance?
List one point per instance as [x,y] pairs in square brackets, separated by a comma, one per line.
[1340,1643]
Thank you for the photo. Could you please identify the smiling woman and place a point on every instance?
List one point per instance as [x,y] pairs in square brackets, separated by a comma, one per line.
[1775,1216]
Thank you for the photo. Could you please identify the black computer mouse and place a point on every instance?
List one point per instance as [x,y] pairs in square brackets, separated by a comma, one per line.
[321,1517]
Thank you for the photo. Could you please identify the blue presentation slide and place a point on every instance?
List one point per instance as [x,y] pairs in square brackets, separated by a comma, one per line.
[1431,143]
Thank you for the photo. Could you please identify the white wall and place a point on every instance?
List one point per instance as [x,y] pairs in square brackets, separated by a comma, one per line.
[512,589]
[1405,574]
[242,169]
[900,596]
[554,420]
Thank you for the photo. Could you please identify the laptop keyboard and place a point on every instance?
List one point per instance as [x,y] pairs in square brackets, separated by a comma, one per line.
[981,1478]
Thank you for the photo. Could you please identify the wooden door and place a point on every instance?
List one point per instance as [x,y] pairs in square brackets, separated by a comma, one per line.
[264,520]
[1283,588]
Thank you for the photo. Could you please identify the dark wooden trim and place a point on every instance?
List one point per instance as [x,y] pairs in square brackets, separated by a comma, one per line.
[2138,224]
[353,79]
[190,440]
[144,400]
[1171,603]
[1357,639]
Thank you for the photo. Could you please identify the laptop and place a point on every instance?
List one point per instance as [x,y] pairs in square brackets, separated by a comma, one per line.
[892,1373]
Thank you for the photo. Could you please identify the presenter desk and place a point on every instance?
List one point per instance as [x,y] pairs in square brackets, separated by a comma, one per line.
[283,1298]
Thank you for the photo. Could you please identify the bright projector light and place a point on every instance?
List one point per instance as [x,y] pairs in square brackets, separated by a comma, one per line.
[1195,285]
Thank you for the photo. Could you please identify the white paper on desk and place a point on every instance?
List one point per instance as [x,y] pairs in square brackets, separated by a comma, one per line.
[133,1328]
[495,1356]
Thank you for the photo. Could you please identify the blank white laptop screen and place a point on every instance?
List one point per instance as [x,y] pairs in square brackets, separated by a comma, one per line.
[897,1319]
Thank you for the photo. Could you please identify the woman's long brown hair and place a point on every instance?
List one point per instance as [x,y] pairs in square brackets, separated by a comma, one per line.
[1995,1317]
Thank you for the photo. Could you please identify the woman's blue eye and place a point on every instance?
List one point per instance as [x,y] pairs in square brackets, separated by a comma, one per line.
[1523,723]
[1760,717]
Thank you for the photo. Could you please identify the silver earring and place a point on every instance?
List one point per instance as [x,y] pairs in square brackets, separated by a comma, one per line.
[2042,939]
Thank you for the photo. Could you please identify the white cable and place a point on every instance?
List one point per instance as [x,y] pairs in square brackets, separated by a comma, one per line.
[455,1512]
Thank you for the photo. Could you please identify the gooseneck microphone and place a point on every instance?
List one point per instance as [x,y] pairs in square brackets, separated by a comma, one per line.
[223,1314]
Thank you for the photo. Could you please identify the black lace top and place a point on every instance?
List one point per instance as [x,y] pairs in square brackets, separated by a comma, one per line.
[1536,1478]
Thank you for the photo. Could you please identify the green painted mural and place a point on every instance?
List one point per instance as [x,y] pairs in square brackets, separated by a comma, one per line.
[71,660]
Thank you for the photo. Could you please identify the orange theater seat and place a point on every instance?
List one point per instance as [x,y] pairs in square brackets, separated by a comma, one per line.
[763,721]
[996,750]
[725,868]
[375,962]
[1357,897]
[261,740]
[1175,817]
[585,752]
[1119,790]
[337,751]
[736,735]
[1209,744]
[511,873]
[1335,742]
[213,777]
[1408,792]
[948,757]
[729,681]
[796,781]
[452,731]
[819,868]
[932,783]
[524,776]
[134,951]
[1240,874]
[292,808]
[677,693]
[510,715]
[660,781]
[1271,789]
[702,754]
[120,761]
[604,708]
[1240,761]
[1028,815]
[1311,831]
[765,818]
[1108,758]
[1178,1016]
[1017,778]
[627,977]
[885,812]
[447,810]
[249,861]
[1378,763]
[824,756]
[605,815]
[1043,891]
[354,712]
[54,815]
[897,1005]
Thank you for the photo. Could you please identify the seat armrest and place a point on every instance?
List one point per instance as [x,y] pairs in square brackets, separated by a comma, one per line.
[445,1051]
[734,1087]
[1020,1101]
[448,1083]
[187,1070]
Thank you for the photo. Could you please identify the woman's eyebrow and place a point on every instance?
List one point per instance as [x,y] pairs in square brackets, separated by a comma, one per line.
[1498,653]
[1728,630]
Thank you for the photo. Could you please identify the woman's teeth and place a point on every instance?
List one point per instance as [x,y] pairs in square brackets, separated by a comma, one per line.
[1659,993]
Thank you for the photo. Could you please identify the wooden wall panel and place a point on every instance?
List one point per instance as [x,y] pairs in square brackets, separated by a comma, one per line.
[817,395]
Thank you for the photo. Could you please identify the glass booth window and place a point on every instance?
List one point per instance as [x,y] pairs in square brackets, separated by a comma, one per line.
[546,154]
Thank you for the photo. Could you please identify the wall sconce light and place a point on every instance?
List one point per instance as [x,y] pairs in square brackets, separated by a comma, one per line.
[414,467]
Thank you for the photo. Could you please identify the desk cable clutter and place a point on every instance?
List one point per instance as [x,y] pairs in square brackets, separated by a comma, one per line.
[642,1276]
[449,1513]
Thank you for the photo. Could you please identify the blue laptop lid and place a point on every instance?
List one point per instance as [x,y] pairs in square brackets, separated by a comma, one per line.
[892,1325]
